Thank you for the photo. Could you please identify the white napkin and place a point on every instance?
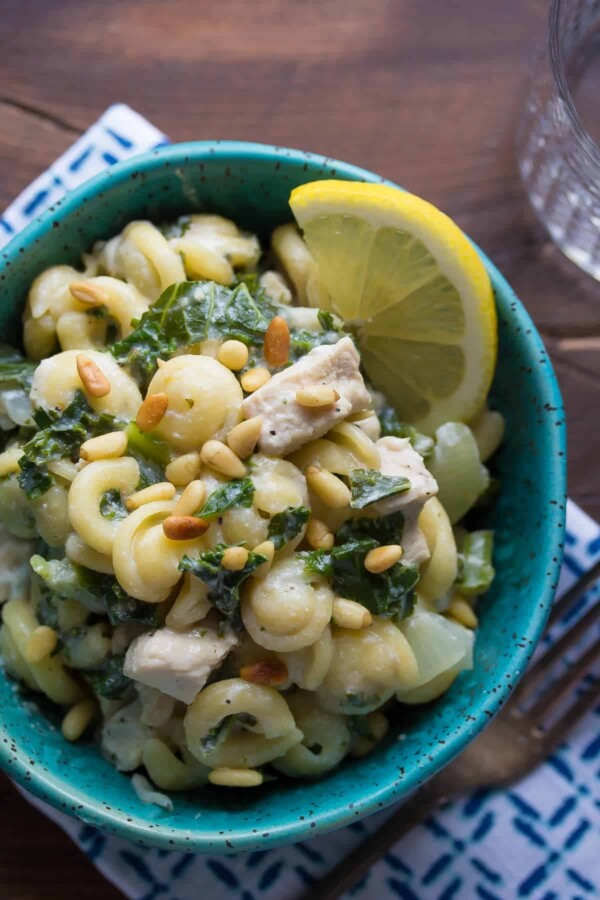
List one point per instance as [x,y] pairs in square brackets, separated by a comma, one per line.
[538,840]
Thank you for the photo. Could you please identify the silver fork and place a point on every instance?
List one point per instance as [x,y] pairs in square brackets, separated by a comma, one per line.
[512,745]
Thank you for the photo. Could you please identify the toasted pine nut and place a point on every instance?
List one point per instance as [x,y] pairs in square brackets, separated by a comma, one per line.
[183,469]
[92,377]
[361,746]
[243,437]
[328,487]
[105,446]
[151,411]
[88,292]
[349,614]
[254,379]
[318,534]
[378,725]
[184,528]
[271,672]
[226,777]
[77,719]
[164,490]
[462,612]
[191,500]
[276,346]
[267,548]
[233,354]
[317,395]
[234,558]
[40,644]
[382,558]
[220,457]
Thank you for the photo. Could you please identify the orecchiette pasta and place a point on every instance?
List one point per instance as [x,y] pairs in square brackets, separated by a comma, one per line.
[299,266]
[205,401]
[287,610]
[345,447]
[56,381]
[439,572]
[326,740]
[169,772]
[367,667]
[120,301]
[142,256]
[48,301]
[49,675]
[86,493]
[191,604]
[79,552]
[307,667]
[488,430]
[145,560]
[262,727]
[51,512]
[81,331]
[278,485]
[212,247]
[14,663]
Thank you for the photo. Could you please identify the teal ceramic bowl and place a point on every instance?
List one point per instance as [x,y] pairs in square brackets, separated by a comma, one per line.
[251,183]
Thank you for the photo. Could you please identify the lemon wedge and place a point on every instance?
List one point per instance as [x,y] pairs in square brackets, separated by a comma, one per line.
[413,289]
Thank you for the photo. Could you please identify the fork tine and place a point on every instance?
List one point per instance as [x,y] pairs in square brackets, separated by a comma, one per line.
[559,688]
[556,652]
[574,593]
[555,735]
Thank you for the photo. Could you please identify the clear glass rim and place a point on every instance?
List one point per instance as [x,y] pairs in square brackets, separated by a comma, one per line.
[582,135]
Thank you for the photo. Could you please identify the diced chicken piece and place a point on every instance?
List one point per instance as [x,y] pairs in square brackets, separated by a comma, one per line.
[398,457]
[414,544]
[124,736]
[157,708]
[286,424]
[177,663]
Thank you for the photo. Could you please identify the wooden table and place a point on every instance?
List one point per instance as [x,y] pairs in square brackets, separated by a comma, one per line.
[425,92]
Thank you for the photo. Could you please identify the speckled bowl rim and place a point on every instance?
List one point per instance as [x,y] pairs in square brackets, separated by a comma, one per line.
[57,791]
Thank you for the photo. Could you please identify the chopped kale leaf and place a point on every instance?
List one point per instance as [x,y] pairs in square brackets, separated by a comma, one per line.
[369,485]
[109,681]
[284,526]
[194,311]
[224,584]
[60,436]
[98,592]
[234,493]
[390,593]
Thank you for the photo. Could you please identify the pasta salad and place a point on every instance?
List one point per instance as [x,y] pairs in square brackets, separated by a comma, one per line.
[225,554]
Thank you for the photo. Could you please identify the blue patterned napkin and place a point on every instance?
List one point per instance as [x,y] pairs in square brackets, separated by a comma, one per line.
[540,840]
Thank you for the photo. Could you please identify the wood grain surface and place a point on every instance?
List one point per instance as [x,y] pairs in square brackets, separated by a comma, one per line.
[425,92]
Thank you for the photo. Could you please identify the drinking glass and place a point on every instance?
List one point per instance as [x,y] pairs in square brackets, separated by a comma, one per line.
[558,141]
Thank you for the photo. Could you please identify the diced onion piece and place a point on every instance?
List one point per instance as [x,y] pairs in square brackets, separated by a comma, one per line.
[437,643]
[18,406]
[456,466]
